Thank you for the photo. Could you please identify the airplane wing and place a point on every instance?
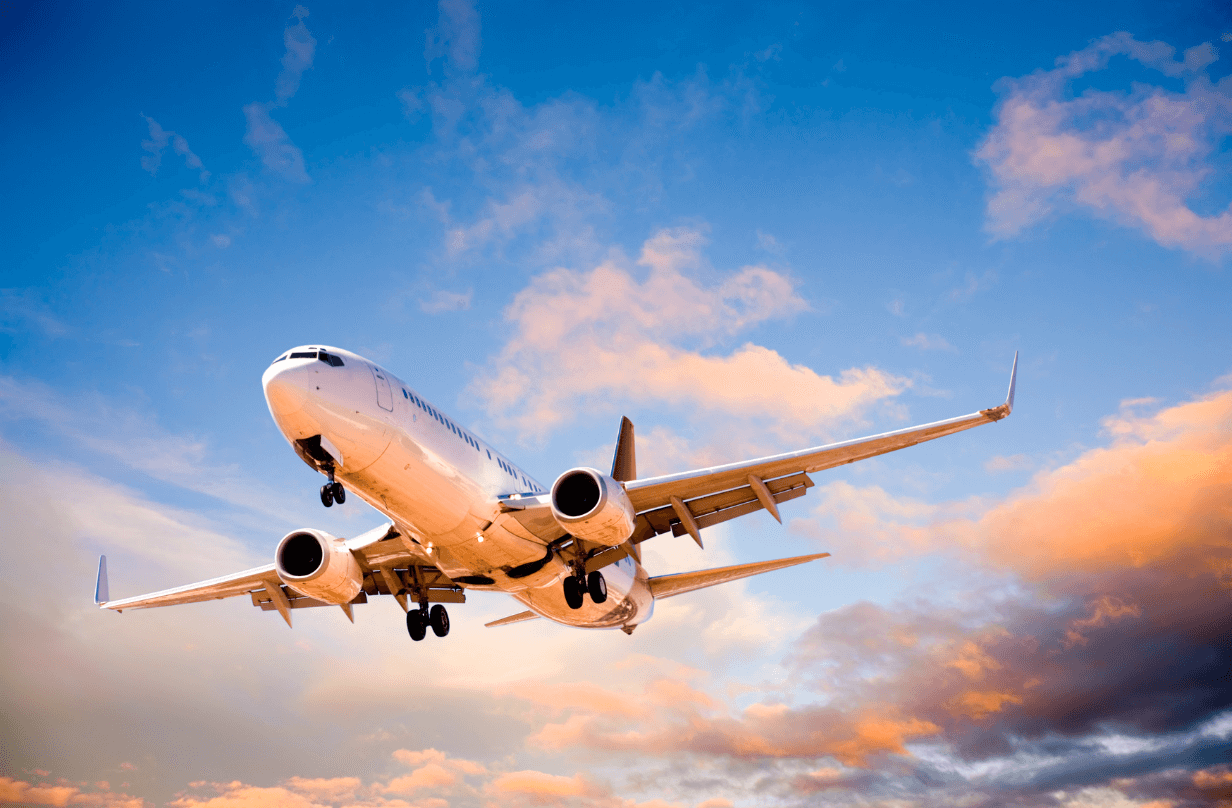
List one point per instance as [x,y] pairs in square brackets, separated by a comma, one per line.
[685,503]
[386,558]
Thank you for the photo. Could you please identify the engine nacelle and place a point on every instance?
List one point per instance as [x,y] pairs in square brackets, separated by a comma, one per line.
[593,507]
[319,566]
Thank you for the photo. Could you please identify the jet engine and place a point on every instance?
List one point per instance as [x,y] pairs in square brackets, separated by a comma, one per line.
[593,507]
[319,566]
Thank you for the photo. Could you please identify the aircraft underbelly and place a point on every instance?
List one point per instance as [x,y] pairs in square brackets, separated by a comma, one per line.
[628,603]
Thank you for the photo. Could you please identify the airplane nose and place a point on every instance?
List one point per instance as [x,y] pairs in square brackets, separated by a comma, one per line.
[286,388]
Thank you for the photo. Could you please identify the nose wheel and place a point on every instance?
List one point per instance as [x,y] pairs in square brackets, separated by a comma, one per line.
[577,587]
[332,492]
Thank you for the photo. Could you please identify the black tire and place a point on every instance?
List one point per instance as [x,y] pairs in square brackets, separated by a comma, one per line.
[327,495]
[596,586]
[415,625]
[439,619]
[339,493]
[573,593]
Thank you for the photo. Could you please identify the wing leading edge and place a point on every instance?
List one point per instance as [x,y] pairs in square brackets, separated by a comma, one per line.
[686,502]
[382,552]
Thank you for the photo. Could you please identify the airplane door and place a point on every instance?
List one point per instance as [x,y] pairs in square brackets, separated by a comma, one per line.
[384,397]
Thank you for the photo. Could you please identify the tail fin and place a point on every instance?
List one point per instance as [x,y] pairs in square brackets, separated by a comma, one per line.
[665,586]
[624,464]
[101,595]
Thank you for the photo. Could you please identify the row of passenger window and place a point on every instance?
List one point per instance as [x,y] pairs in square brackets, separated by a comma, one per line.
[445,422]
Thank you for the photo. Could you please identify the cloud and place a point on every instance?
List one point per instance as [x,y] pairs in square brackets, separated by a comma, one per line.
[264,135]
[23,309]
[455,38]
[928,342]
[1008,463]
[157,144]
[13,791]
[443,301]
[586,340]
[1132,156]
[301,47]
[123,434]
[1034,684]
[269,141]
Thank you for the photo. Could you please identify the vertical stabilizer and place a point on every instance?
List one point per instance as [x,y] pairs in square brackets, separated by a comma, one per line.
[101,595]
[624,464]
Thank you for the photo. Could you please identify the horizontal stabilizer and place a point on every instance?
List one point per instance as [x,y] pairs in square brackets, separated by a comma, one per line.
[665,586]
[511,619]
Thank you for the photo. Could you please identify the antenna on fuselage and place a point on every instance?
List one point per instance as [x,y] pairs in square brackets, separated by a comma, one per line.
[624,464]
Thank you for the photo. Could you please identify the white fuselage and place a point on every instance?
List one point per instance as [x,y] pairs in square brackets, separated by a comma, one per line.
[439,483]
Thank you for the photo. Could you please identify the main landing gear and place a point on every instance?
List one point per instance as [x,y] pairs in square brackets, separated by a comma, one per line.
[578,586]
[332,491]
[418,620]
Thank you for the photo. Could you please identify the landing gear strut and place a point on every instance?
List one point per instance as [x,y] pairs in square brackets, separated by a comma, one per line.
[332,491]
[418,620]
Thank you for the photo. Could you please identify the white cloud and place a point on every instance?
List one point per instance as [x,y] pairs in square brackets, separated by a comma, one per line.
[444,300]
[21,309]
[157,144]
[929,342]
[301,48]
[455,38]
[270,142]
[264,135]
[1134,156]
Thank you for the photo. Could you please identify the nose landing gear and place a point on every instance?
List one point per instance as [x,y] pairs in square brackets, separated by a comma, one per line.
[332,491]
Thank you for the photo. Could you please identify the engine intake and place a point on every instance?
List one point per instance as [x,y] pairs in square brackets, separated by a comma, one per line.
[318,565]
[593,507]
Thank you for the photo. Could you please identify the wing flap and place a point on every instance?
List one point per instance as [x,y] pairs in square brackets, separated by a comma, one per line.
[720,507]
[666,586]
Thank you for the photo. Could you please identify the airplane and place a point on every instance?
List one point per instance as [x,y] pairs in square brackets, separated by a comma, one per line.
[463,516]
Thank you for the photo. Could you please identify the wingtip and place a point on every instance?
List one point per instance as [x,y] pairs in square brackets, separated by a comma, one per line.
[101,593]
[1009,398]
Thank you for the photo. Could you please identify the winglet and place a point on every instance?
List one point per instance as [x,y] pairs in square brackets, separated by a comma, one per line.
[1009,398]
[1003,410]
[624,462]
[101,595]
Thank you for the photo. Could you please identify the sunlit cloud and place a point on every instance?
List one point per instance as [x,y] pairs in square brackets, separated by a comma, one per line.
[1134,156]
[622,332]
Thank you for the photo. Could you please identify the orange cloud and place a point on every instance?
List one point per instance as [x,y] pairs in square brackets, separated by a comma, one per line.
[433,775]
[18,792]
[588,339]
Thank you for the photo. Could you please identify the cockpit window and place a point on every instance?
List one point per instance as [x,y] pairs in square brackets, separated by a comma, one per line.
[279,359]
[303,354]
[336,361]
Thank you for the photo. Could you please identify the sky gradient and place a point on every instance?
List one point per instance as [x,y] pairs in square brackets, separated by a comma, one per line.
[749,228]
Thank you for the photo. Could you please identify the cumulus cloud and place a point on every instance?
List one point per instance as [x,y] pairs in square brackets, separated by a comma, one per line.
[1032,689]
[157,144]
[264,135]
[1135,156]
[624,332]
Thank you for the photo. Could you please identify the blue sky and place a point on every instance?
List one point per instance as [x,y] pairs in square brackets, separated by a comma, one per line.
[750,229]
